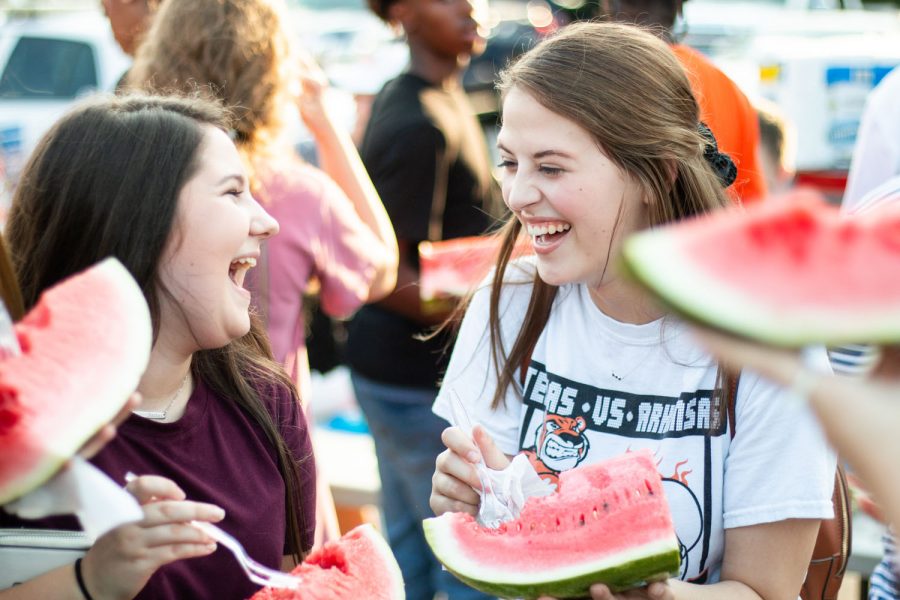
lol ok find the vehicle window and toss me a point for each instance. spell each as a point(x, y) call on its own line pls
point(48, 68)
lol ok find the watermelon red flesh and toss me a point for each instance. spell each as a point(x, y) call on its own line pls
point(788, 272)
point(609, 523)
point(454, 267)
point(84, 348)
point(358, 565)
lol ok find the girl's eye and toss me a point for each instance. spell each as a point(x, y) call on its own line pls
point(550, 170)
point(236, 193)
point(507, 164)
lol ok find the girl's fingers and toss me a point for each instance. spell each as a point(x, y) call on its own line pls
point(152, 488)
point(451, 464)
point(173, 534)
point(454, 489)
point(461, 444)
point(600, 592)
point(169, 511)
point(162, 555)
point(98, 441)
point(493, 456)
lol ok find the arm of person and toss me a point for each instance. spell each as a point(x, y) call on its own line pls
point(339, 158)
point(866, 436)
point(121, 562)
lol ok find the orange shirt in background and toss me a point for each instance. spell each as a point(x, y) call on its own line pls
point(731, 117)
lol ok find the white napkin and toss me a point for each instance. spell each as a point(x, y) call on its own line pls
point(511, 487)
point(83, 489)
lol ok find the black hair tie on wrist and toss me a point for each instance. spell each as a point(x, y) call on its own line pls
point(79, 578)
point(721, 163)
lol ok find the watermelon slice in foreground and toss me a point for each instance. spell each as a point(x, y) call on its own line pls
point(608, 523)
point(789, 272)
point(358, 565)
point(84, 346)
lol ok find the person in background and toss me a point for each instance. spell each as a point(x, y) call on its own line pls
point(876, 155)
point(777, 147)
point(335, 234)
point(158, 184)
point(723, 106)
point(129, 20)
point(426, 154)
point(562, 358)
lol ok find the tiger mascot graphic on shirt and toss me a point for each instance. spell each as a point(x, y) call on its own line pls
point(559, 445)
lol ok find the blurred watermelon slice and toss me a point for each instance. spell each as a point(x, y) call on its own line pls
point(790, 271)
point(452, 268)
point(84, 347)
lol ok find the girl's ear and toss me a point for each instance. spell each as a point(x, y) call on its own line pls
point(400, 16)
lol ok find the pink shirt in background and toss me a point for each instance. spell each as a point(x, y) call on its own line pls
point(321, 238)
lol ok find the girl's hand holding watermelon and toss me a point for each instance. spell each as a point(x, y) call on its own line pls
point(659, 590)
point(121, 562)
point(455, 479)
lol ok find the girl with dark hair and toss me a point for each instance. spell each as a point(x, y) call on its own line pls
point(219, 437)
point(561, 358)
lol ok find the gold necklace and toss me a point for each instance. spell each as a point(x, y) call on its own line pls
point(160, 415)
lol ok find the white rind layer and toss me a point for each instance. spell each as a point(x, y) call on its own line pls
point(439, 532)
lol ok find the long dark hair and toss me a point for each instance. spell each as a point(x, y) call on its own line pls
point(624, 87)
point(105, 181)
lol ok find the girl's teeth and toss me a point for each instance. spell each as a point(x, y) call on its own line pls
point(538, 230)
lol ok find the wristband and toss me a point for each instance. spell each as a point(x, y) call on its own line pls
point(80, 580)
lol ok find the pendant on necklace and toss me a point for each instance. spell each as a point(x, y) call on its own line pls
point(157, 415)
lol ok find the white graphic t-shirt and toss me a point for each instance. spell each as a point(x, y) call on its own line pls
point(596, 388)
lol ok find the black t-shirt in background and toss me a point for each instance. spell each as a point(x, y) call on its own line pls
point(415, 125)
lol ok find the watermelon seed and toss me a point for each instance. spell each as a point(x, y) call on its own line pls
point(606, 506)
point(581, 522)
point(557, 523)
point(649, 487)
point(596, 514)
point(518, 527)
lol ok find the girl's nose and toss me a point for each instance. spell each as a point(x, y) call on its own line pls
point(519, 193)
point(262, 224)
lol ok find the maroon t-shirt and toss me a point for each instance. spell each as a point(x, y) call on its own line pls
point(216, 454)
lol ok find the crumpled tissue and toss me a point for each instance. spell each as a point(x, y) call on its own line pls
point(504, 492)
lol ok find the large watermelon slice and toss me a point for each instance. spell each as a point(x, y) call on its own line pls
point(358, 565)
point(84, 348)
point(789, 272)
point(609, 523)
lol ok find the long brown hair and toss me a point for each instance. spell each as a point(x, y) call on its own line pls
point(105, 181)
point(625, 87)
point(235, 51)
point(9, 286)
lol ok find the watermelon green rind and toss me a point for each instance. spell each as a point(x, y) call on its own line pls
point(631, 568)
point(655, 260)
point(36, 447)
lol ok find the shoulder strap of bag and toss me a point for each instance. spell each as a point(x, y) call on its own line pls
point(832, 551)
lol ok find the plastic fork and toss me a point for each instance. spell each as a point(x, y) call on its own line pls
point(491, 504)
point(256, 572)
